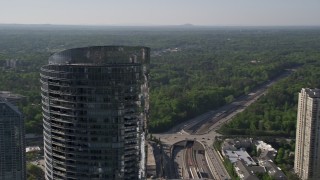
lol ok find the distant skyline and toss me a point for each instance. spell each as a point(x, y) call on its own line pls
point(162, 12)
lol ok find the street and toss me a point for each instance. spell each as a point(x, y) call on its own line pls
point(203, 129)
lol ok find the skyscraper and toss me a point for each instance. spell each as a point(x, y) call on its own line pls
point(95, 108)
point(307, 152)
point(12, 143)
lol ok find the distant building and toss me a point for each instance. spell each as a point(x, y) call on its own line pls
point(11, 63)
point(307, 151)
point(12, 143)
point(95, 108)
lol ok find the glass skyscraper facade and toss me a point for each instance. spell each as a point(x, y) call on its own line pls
point(12, 143)
point(95, 104)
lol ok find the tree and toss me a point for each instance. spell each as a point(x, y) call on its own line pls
point(34, 172)
point(280, 155)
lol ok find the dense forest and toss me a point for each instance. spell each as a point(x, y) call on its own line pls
point(276, 112)
point(193, 69)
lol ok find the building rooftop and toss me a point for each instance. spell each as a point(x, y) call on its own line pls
point(101, 55)
point(264, 146)
point(241, 154)
point(12, 98)
point(273, 170)
point(234, 144)
point(244, 172)
point(314, 93)
point(257, 169)
point(245, 164)
point(8, 94)
point(32, 148)
point(7, 109)
point(267, 155)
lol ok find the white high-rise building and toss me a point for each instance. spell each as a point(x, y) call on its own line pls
point(307, 152)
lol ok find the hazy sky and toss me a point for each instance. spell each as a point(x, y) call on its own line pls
point(161, 12)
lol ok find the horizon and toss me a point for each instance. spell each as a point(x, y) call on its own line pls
point(187, 25)
point(162, 13)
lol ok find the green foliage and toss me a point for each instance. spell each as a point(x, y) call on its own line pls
point(252, 150)
point(34, 172)
point(275, 113)
point(292, 176)
point(230, 169)
point(285, 155)
point(211, 67)
point(264, 176)
point(215, 71)
point(217, 144)
point(33, 118)
point(280, 156)
point(31, 156)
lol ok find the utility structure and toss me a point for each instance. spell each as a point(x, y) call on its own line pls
point(95, 108)
point(12, 143)
point(307, 151)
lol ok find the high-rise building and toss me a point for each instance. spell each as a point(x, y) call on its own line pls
point(307, 152)
point(12, 143)
point(95, 108)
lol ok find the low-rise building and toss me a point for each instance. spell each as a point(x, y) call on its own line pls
point(273, 170)
point(32, 149)
point(245, 165)
point(240, 154)
point(243, 171)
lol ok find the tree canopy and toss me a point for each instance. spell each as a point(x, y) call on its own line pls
point(193, 70)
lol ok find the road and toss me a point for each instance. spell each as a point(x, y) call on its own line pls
point(211, 157)
point(203, 128)
point(225, 113)
point(190, 161)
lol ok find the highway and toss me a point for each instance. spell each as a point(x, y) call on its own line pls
point(213, 119)
point(212, 159)
point(202, 129)
point(225, 113)
point(190, 161)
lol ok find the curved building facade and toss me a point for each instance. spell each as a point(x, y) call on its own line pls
point(95, 107)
